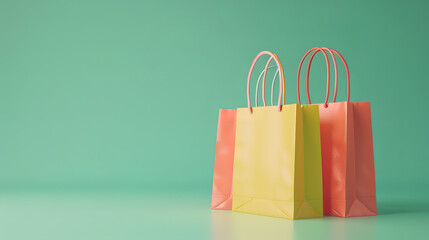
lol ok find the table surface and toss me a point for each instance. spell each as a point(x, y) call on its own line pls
point(77, 215)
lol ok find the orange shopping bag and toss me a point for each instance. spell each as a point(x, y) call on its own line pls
point(224, 156)
point(347, 151)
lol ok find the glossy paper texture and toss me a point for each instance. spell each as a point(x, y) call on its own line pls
point(275, 174)
point(347, 159)
point(224, 159)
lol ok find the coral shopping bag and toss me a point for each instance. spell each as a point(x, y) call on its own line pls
point(277, 160)
point(347, 152)
point(224, 157)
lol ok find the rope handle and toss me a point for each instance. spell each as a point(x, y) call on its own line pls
point(327, 71)
point(272, 86)
point(336, 74)
point(281, 75)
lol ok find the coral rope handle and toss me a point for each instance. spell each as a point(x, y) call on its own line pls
point(279, 66)
point(336, 74)
point(308, 73)
point(328, 74)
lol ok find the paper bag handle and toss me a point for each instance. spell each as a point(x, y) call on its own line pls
point(327, 71)
point(336, 74)
point(279, 66)
point(272, 86)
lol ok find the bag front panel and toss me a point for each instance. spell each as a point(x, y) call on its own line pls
point(264, 161)
point(333, 131)
point(347, 159)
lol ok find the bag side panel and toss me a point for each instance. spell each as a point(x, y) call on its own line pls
point(224, 160)
point(362, 195)
point(312, 164)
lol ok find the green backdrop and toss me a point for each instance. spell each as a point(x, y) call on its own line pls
point(125, 94)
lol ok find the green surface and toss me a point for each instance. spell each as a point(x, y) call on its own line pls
point(122, 97)
point(88, 216)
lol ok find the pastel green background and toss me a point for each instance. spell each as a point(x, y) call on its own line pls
point(122, 97)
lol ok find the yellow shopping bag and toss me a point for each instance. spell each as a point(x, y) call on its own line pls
point(277, 159)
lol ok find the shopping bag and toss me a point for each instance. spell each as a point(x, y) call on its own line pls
point(224, 156)
point(347, 152)
point(277, 159)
